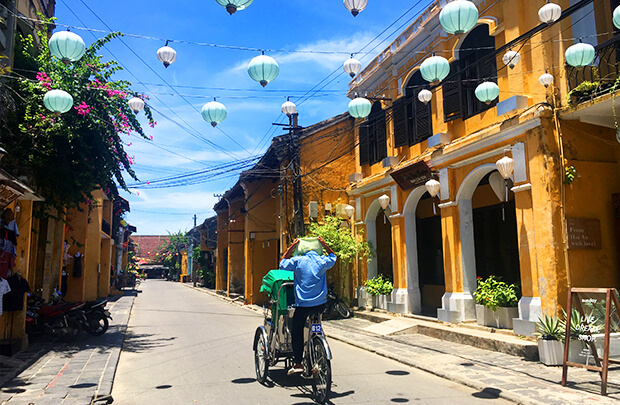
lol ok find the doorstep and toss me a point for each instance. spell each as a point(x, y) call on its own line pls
point(501, 341)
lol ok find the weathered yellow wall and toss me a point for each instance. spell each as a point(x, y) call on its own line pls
point(77, 222)
point(92, 251)
point(184, 263)
point(236, 248)
point(222, 245)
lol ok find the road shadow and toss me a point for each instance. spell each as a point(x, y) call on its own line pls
point(243, 380)
point(487, 393)
point(397, 372)
point(143, 342)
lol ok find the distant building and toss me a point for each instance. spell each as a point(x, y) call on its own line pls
point(148, 245)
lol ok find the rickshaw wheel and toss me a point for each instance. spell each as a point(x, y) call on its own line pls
point(261, 360)
point(321, 372)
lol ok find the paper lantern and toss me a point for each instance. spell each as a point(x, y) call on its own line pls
point(435, 68)
point(505, 166)
point(580, 54)
point(545, 79)
point(355, 6)
point(359, 107)
point(58, 101)
point(425, 96)
point(549, 13)
point(289, 108)
point(511, 59)
point(617, 17)
point(487, 92)
point(263, 69)
point(136, 104)
point(166, 55)
point(384, 201)
point(214, 112)
point(458, 17)
point(352, 66)
point(233, 5)
point(67, 46)
point(433, 186)
point(349, 210)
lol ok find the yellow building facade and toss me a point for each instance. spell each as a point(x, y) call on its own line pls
point(479, 225)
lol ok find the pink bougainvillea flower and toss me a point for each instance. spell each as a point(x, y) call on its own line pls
point(83, 108)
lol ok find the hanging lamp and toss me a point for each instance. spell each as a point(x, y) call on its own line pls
point(136, 104)
point(435, 68)
point(511, 58)
point(352, 66)
point(458, 17)
point(289, 108)
point(545, 79)
point(425, 96)
point(384, 201)
point(549, 13)
point(433, 186)
point(349, 210)
point(355, 6)
point(505, 166)
point(263, 69)
point(359, 107)
point(214, 112)
point(67, 46)
point(58, 101)
point(487, 92)
point(233, 5)
point(616, 17)
point(580, 54)
point(166, 55)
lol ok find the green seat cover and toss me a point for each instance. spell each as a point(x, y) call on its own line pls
point(271, 284)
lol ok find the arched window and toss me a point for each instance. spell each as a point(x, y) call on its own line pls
point(413, 121)
point(475, 64)
point(372, 135)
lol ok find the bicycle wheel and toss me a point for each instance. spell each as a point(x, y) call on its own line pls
point(343, 310)
point(261, 363)
point(321, 372)
point(96, 323)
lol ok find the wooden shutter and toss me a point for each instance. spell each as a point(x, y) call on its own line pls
point(381, 131)
point(423, 121)
point(399, 116)
point(451, 86)
point(363, 145)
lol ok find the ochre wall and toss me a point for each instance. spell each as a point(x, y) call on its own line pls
point(236, 248)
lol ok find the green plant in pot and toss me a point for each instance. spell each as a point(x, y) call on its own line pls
point(496, 302)
point(550, 334)
point(379, 288)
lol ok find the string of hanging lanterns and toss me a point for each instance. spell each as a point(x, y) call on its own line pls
point(214, 112)
point(263, 69)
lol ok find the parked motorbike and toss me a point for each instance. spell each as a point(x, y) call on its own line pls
point(335, 307)
point(95, 320)
point(59, 320)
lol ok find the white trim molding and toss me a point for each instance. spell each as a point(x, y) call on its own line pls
point(521, 187)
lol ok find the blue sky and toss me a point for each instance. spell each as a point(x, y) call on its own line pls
point(202, 72)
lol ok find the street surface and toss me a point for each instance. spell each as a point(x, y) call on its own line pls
point(184, 346)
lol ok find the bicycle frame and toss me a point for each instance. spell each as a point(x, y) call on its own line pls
point(316, 319)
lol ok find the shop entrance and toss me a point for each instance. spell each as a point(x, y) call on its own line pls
point(430, 256)
point(384, 245)
point(495, 233)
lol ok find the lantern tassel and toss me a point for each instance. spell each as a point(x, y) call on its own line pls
point(434, 209)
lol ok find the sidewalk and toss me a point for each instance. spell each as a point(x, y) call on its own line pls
point(80, 373)
point(510, 377)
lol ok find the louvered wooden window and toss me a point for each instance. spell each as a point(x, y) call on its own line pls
point(475, 65)
point(419, 119)
point(399, 117)
point(373, 137)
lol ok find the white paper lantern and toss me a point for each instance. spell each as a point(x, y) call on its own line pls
point(425, 96)
point(136, 104)
point(355, 6)
point(384, 201)
point(545, 79)
point(433, 186)
point(166, 55)
point(511, 59)
point(549, 13)
point(349, 210)
point(288, 107)
point(352, 66)
point(505, 166)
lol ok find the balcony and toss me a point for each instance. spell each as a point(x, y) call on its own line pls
point(586, 83)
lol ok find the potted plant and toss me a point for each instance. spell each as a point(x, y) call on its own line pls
point(379, 288)
point(550, 334)
point(578, 351)
point(496, 302)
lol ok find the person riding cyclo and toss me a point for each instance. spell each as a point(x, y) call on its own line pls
point(304, 257)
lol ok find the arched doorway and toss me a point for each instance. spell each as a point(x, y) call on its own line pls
point(378, 223)
point(423, 240)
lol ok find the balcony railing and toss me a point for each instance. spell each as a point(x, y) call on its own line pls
point(591, 81)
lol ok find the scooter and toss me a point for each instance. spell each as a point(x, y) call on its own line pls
point(95, 320)
point(59, 320)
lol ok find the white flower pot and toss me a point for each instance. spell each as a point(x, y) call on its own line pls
point(380, 301)
point(500, 319)
point(578, 352)
point(551, 352)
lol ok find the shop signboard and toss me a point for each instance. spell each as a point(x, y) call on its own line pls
point(8, 195)
point(412, 176)
point(583, 233)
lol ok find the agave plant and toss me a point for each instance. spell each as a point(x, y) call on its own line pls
point(549, 328)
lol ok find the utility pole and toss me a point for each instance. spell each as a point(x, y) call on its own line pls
point(294, 148)
point(194, 220)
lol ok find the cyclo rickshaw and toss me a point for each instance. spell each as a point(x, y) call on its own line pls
point(272, 340)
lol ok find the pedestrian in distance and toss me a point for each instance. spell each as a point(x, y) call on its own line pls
point(310, 286)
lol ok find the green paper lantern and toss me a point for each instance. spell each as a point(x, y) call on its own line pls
point(67, 46)
point(617, 17)
point(359, 107)
point(233, 5)
point(58, 101)
point(458, 17)
point(263, 69)
point(487, 92)
point(580, 54)
point(214, 112)
point(435, 68)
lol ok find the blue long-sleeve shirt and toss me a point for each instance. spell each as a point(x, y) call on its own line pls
point(310, 280)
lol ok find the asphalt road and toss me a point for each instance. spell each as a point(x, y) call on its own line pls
point(187, 347)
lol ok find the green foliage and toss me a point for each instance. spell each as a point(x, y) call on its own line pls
point(170, 251)
point(340, 239)
point(584, 89)
point(569, 174)
point(70, 155)
point(494, 293)
point(549, 328)
point(379, 286)
point(575, 322)
point(204, 270)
